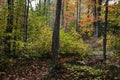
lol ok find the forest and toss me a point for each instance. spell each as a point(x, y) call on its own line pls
point(59, 39)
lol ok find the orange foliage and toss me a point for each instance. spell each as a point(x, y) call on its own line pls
point(62, 60)
point(0, 3)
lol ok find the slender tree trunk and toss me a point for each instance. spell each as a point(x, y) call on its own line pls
point(15, 33)
point(26, 20)
point(62, 13)
point(99, 14)
point(96, 28)
point(77, 16)
point(105, 32)
point(66, 20)
point(79, 10)
point(7, 46)
point(40, 5)
point(45, 7)
point(55, 37)
point(48, 13)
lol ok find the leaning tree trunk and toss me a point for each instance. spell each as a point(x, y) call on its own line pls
point(55, 37)
point(105, 32)
point(8, 37)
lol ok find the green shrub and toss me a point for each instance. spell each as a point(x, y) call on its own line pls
point(117, 45)
point(72, 44)
point(40, 42)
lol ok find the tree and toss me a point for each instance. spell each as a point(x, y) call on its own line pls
point(9, 27)
point(77, 16)
point(44, 7)
point(26, 19)
point(97, 14)
point(66, 15)
point(96, 20)
point(48, 13)
point(55, 37)
point(105, 32)
point(62, 12)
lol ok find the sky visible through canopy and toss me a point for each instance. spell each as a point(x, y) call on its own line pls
point(34, 3)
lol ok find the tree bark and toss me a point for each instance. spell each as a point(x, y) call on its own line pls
point(105, 32)
point(48, 13)
point(63, 13)
point(45, 7)
point(7, 45)
point(55, 37)
point(66, 20)
point(96, 28)
point(99, 14)
point(77, 16)
point(26, 20)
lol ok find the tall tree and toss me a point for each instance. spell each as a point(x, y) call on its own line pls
point(97, 10)
point(66, 19)
point(44, 7)
point(77, 16)
point(62, 12)
point(9, 27)
point(80, 2)
point(26, 11)
point(96, 20)
point(105, 32)
point(48, 13)
point(39, 5)
point(55, 37)
point(99, 14)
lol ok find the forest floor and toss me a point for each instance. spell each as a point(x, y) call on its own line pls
point(73, 68)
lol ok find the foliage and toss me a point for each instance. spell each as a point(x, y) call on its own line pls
point(72, 43)
point(40, 42)
point(84, 71)
point(117, 45)
point(114, 18)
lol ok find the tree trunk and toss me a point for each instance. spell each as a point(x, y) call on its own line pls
point(7, 46)
point(99, 14)
point(63, 13)
point(105, 32)
point(77, 16)
point(15, 33)
point(48, 13)
point(80, 10)
point(39, 5)
point(66, 20)
point(44, 7)
point(26, 20)
point(55, 37)
point(96, 28)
